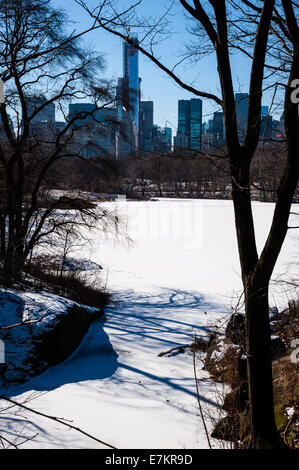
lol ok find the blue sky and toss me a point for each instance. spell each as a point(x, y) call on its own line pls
point(156, 85)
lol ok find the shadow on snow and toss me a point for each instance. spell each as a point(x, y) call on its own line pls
point(144, 319)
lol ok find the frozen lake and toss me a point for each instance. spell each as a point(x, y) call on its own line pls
point(179, 276)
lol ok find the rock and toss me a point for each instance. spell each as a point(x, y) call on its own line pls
point(230, 401)
point(213, 345)
point(49, 347)
point(59, 343)
point(278, 347)
point(235, 330)
point(221, 359)
point(236, 400)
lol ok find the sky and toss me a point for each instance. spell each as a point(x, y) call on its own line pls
point(156, 85)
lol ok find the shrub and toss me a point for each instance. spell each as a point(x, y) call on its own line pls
point(67, 284)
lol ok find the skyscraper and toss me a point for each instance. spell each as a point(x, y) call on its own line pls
point(146, 122)
point(167, 139)
point(128, 98)
point(146, 117)
point(195, 124)
point(189, 133)
point(45, 115)
point(79, 110)
point(266, 129)
point(242, 113)
point(162, 139)
point(95, 129)
point(218, 128)
point(184, 118)
point(264, 111)
point(42, 123)
point(126, 135)
point(131, 73)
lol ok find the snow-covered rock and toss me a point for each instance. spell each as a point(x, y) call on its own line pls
point(48, 330)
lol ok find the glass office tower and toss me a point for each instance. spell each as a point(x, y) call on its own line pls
point(184, 118)
point(242, 113)
point(218, 128)
point(264, 111)
point(131, 74)
point(195, 124)
point(146, 122)
point(189, 134)
point(146, 117)
point(94, 129)
point(43, 123)
point(128, 101)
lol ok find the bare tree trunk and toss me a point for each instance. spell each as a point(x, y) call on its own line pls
point(264, 434)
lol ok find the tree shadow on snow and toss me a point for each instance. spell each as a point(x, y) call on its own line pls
point(164, 317)
point(156, 322)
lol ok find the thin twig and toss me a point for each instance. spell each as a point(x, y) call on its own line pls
point(29, 322)
point(9, 442)
point(53, 418)
point(198, 399)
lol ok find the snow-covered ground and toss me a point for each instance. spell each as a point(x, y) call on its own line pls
point(179, 276)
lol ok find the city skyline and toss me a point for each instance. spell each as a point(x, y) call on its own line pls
point(101, 134)
point(131, 109)
point(156, 86)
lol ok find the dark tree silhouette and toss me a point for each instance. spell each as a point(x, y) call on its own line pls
point(42, 67)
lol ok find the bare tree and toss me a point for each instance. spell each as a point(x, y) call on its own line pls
point(217, 24)
point(43, 68)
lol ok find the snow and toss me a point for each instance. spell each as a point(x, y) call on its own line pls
point(290, 411)
point(180, 276)
point(221, 349)
point(42, 310)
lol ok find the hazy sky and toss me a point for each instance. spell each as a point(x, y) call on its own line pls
point(156, 85)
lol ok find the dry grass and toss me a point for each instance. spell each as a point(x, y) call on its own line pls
point(225, 369)
point(69, 285)
point(286, 376)
point(287, 324)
